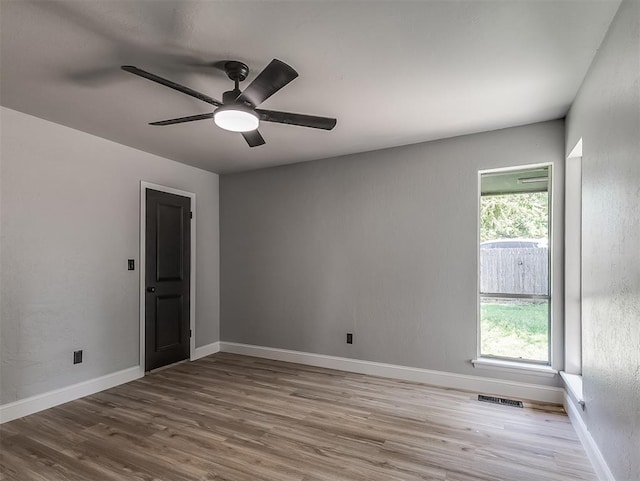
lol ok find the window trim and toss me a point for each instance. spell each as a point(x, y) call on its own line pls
point(497, 362)
point(514, 365)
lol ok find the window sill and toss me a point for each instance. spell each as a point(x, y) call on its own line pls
point(573, 383)
point(514, 366)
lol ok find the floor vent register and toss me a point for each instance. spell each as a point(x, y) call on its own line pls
point(500, 400)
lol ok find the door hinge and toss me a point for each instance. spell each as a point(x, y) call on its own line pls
point(190, 333)
point(190, 215)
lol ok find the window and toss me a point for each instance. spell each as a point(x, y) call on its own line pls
point(514, 263)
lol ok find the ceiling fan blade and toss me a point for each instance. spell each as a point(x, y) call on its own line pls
point(181, 120)
point(274, 76)
point(302, 120)
point(170, 84)
point(253, 138)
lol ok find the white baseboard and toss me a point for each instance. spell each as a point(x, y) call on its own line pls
point(532, 392)
point(206, 350)
point(591, 448)
point(40, 402)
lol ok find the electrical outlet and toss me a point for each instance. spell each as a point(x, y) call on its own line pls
point(349, 338)
point(77, 356)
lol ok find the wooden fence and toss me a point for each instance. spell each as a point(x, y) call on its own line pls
point(514, 271)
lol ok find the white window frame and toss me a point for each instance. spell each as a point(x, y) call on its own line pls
point(509, 364)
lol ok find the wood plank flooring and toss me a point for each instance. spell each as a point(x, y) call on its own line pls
point(236, 418)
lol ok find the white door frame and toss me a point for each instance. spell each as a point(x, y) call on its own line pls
point(192, 287)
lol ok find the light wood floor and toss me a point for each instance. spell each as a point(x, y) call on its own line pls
point(237, 418)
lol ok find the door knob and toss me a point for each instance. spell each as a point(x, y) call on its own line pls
point(151, 289)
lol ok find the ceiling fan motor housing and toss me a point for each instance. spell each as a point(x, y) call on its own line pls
point(236, 71)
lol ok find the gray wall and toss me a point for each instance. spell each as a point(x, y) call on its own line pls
point(70, 220)
point(606, 114)
point(382, 244)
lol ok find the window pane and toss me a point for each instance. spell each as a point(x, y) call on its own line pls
point(514, 232)
point(516, 329)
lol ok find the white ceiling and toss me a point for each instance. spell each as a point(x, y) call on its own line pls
point(392, 73)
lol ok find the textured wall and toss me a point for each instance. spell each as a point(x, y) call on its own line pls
point(70, 220)
point(606, 114)
point(382, 244)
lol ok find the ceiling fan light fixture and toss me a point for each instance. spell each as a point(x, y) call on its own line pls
point(236, 118)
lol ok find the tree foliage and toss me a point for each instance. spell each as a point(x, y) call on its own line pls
point(514, 215)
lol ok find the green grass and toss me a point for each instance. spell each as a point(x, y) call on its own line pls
point(515, 329)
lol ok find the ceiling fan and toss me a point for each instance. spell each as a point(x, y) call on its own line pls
point(237, 111)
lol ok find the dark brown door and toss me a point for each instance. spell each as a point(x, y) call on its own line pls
point(168, 263)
